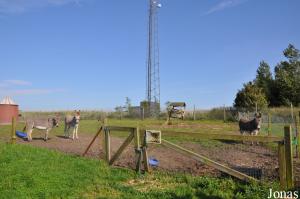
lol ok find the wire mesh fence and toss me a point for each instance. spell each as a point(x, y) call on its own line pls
point(258, 162)
point(273, 119)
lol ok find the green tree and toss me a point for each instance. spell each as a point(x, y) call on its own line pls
point(249, 95)
point(282, 90)
point(265, 80)
point(291, 53)
point(287, 78)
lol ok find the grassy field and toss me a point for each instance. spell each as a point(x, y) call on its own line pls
point(91, 126)
point(28, 172)
point(202, 126)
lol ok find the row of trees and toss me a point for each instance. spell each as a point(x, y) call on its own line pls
point(280, 89)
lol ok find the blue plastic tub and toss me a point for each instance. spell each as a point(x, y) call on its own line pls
point(21, 134)
point(153, 162)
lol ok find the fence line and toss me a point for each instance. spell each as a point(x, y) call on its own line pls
point(285, 149)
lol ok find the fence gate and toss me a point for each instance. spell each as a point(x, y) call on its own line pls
point(283, 145)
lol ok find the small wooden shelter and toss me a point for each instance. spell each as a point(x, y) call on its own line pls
point(176, 110)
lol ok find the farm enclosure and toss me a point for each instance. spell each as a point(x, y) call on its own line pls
point(258, 161)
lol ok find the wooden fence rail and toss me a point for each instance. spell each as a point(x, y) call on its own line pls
point(285, 157)
point(220, 136)
point(13, 130)
point(209, 162)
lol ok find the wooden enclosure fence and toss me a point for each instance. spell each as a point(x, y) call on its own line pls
point(140, 148)
point(285, 154)
point(295, 137)
point(137, 136)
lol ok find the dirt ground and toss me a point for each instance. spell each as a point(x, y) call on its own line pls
point(257, 161)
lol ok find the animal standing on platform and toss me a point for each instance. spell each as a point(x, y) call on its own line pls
point(40, 124)
point(250, 126)
point(72, 122)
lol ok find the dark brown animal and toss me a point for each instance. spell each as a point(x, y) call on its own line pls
point(250, 126)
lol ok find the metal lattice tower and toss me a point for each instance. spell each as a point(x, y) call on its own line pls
point(153, 79)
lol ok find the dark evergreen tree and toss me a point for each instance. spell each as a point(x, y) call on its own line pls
point(265, 80)
point(287, 78)
point(280, 90)
point(249, 96)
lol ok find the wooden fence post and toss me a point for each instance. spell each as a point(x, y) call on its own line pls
point(288, 156)
point(107, 144)
point(282, 165)
point(269, 123)
point(145, 153)
point(194, 113)
point(224, 113)
point(137, 148)
point(298, 130)
point(13, 130)
point(297, 136)
point(136, 134)
point(143, 113)
point(256, 107)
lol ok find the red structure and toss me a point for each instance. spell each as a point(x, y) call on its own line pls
point(8, 110)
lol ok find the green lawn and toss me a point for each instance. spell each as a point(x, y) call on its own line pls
point(28, 172)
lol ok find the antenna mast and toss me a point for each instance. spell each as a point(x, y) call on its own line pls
point(153, 79)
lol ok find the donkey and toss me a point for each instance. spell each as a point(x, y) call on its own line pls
point(250, 126)
point(72, 122)
point(40, 124)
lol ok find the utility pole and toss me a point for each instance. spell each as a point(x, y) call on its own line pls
point(224, 113)
point(194, 113)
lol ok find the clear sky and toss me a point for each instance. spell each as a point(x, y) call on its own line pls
point(91, 54)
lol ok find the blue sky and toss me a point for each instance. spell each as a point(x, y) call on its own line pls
point(91, 54)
